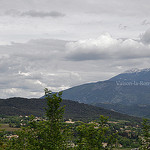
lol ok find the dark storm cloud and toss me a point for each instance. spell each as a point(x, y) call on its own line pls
point(33, 13)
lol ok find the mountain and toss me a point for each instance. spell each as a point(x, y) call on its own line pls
point(134, 75)
point(129, 88)
point(125, 88)
point(109, 92)
point(134, 110)
point(73, 110)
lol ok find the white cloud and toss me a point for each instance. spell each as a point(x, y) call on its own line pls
point(24, 73)
point(83, 20)
point(107, 47)
point(27, 66)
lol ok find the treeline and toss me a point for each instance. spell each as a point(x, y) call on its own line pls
point(52, 133)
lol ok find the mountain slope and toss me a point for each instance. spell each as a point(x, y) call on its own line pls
point(134, 110)
point(109, 92)
point(128, 90)
point(74, 110)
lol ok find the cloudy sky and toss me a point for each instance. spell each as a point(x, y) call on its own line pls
point(59, 44)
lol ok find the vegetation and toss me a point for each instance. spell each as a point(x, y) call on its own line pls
point(74, 110)
point(146, 135)
point(95, 136)
point(52, 132)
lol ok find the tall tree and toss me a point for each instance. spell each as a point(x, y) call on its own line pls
point(43, 135)
point(95, 136)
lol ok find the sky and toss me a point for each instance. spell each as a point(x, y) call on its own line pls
point(58, 44)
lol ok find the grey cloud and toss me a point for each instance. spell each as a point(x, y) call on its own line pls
point(41, 49)
point(78, 24)
point(57, 64)
point(145, 22)
point(33, 13)
point(53, 14)
point(84, 56)
point(105, 47)
point(32, 66)
point(122, 27)
point(145, 38)
point(27, 68)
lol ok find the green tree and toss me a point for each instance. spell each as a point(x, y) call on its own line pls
point(146, 135)
point(94, 135)
point(43, 135)
point(54, 134)
point(2, 139)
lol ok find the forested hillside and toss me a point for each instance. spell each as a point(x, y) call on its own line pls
point(73, 110)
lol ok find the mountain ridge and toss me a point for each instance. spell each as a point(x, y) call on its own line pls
point(128, 88)
point(134, 75)
point(73, 110)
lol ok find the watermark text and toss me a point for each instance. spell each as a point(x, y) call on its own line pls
point(132, 83)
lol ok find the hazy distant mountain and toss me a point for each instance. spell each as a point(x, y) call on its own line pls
point(134, 109)
point(131, 87)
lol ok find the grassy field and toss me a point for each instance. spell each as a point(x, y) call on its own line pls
point(7, 128)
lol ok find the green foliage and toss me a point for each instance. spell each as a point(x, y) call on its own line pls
point(53, 133)
point(94, 135)
point(46, 134)
point(2, 139)
point(146, 135)
point(74, 110)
